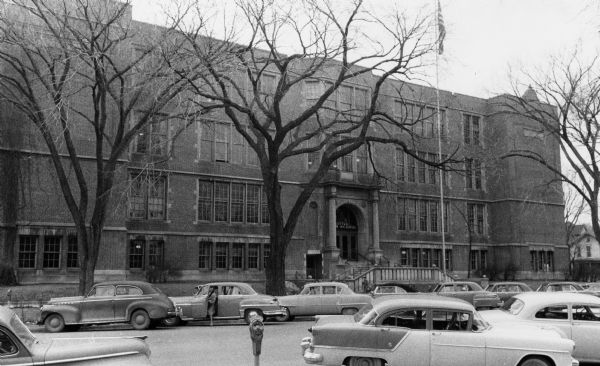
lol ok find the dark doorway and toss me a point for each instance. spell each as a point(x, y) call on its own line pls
point(314, 266)
point(347, 233)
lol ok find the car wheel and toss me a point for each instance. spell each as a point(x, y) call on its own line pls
point(140, 320)
point(535, 361)
point(285, 317)
point(349, 311)
point(364, 361)
point(250, 313)
point(171, 322)
point(54, 323)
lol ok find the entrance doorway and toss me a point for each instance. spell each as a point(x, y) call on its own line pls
point(346, 233)
point(314, 266)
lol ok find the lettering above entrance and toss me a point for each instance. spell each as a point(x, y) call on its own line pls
point(345, 219)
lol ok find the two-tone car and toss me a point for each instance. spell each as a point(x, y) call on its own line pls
point(423, 330)
point(235, 300)
point(506, 290)
point(576, 315)
point(136, 302)
point(470, 292)
point(323, 298)
point(18, 346)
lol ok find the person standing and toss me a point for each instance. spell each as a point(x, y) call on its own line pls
point(212, 300)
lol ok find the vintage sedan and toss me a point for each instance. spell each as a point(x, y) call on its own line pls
point(19, 347)
point(561, 286)
point(236, 300)
point(137, 302)
point(392, 288)
point(506, 290)
point(323, 298)
point(421, 330)
point(470, 292)
point(576, 315)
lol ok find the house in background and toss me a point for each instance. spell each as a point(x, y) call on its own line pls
point(585, 253)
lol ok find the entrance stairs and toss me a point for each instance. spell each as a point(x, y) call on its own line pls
point(360, 278)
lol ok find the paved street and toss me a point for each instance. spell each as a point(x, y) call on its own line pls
point(199, 344)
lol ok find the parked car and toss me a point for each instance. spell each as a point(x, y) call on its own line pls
point(137, 302)
point(18, 346)
point(506, 290)
point(427, 330)
point(322, 298)
point(562, 286)
point(470, 292)
point(576, 315)
point(236, 300)
point(392, 288)
point(592, 288)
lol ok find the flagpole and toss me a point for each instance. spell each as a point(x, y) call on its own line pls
point(439, 128)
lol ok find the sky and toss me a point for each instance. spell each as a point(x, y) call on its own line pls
point(488, 42)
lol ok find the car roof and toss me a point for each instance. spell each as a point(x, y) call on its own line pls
point(326, 284)
point(145, 286)
point(541, 298)
point(386, 303)
point(240, 284)
point(508, 283)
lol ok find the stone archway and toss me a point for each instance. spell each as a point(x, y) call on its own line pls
point(348, 233)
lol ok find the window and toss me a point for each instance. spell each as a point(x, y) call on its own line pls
point(586, 312)
point(222, 142)
point(7, 346)
point(72, 252)
point(433, 216)
point(362, 156)
point(222, 136)
point(476, 218)
point(471, 130)
point(401, 214)
point(205, 200)
point(204, 254)
point(422, 215)
point(410, 174)
point(103, 291)
point(136, 253)
point(400, 165)
point(541, 260)
point(449, 260)
point(559, 312)
point(128, 290)
point(433, 171)
point(27, 250)
point(237, 256)
point(51, 252)
point(253, 199)
point(253, 255)
point(221, 201)
point(152, 138)
point(155, 253)
point(147, 196)
point(237, 202)
point(409, 318)
point(264, 212)
point(450, 320)
point(350, 101)
point(231, 202)
point(221, 253)
point(404, 257)
point(588, 250)
point(266, 253)
point(421, 168)
point(411, 213)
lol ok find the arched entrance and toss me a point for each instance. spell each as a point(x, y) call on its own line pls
point(346, 233)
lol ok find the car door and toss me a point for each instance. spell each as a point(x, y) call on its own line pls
point(309, 301)
point(585, 331)
point(404, 335)
point(330, 300)
point(453, 342)
point(124, 296)
point(228, 304)
point(98, 306)
point(13, 352)
point(556, 315)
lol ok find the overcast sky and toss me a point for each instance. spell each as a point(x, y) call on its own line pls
point(487, 38)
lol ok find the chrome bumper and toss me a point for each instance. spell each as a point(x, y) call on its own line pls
point(307, 352)
point(178, 312)
point(574, 362)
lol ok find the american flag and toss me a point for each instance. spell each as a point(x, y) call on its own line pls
point(441, 28)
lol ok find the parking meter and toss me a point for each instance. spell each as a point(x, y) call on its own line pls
point(256, 333)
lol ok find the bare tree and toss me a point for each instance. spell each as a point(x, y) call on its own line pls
point(563, 104)
point(81, 70)
point(256, 79)
point(575, 208)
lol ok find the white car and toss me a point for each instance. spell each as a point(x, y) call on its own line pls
point(424, 330)
point(576, 315)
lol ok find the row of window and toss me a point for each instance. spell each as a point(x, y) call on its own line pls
point(431, 258)
point(51, 254)
point(542, 261)
point(223, 255)
point(421, 215)
point(420, 119)
point(411, 169)
point(478, 260)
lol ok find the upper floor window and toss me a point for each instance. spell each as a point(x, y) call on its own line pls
point(348, 101)
point(471, 129)
point(413, 170)
point(473, 174)
point(420, 119)
point(231, 202)
point(147, 196)
point(420, 215)
point(476, 218)
point(222, 142)
point(153, 137)
point(356, 161)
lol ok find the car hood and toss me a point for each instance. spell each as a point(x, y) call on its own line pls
point(65, 300)
point(94, 348)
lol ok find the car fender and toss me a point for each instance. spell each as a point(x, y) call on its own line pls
point(155, 309)
point(71, 313)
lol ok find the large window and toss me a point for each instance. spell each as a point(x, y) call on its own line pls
point(153, 137)
point(237, 256)
point(136, 253)
point(222, 142)
point(423, 257)
point(542, 260)
point(231, 202)
point(347, 102)
point(409, 169)
point(221, 254)
point(419, 215)
point(476, 218)
point(51, 252)
point(27, 251)
point(204, 254)
point(147, 196)
point(227, 255)
point(253, 255)
point(72, 252)
point(420, 120)
point(478, 260)
point(471, 129)
point(473, 174)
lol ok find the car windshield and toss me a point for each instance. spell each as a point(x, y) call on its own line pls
point(365, 315)
point(22, 331)
point(479, 324)
point(513, 306)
